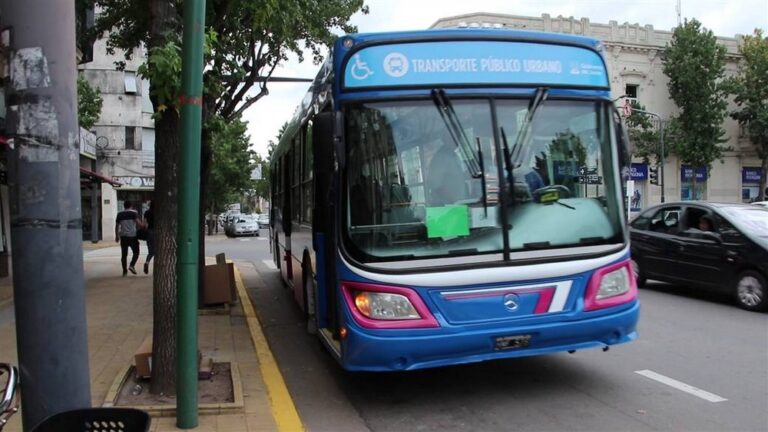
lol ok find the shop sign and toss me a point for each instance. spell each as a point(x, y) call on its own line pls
point(751, 175)
point(136, 182)
point(686, 173)
point(638, 171)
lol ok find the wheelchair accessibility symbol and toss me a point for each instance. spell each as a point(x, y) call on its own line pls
point(360, 69)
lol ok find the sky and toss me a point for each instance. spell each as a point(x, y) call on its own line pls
point(723, 17)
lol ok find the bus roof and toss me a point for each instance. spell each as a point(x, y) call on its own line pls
point(475, 34)
point(332, 68)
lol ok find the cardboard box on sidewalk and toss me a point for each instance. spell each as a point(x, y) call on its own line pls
point(219, 283)
point(143, 359)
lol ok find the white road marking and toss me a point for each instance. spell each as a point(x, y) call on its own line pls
point(270, 264)
point(711, 397)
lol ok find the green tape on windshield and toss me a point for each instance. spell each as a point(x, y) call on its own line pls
point(447, 221)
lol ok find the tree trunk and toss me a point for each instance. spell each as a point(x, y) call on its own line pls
point(164, 20)
point(167, 130)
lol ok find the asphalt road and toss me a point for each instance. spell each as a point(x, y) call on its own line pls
point(700, 364)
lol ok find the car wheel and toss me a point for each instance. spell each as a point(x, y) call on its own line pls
point(638, 275)
point(751, 291)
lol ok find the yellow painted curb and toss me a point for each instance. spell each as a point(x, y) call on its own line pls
point(281, 404)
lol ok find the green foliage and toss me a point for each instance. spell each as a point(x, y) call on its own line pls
point(232, 161)
point(89, 103)
point(750, 88)
point(163, 70)
point(643, 134)
point(695, 65)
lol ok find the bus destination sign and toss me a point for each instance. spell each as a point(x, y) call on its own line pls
point(474, 62)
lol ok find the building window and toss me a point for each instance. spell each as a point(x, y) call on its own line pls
point(130, 83)
point(130, 139)
point(630, 90)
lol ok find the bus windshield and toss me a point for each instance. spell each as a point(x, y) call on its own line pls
point(416, 188)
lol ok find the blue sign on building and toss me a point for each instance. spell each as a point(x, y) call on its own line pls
point(751, 175)
point(638, 171)
point(686, 173)
point(474, 62)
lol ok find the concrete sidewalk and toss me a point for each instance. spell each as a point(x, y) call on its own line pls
point(119, 317)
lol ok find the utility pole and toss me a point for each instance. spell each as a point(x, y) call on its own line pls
point(661, 148)
point(46, 224)
point(189, 216)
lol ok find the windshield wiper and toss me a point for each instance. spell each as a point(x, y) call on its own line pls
point(525, 129)
point(448, 114)
point(482, 176)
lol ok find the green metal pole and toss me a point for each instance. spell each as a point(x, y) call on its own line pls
point(191, 102)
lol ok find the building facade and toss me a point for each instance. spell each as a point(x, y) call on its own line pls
point(633, 55)
point(124, 134)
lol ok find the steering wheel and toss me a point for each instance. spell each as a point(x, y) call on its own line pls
point(562, 191)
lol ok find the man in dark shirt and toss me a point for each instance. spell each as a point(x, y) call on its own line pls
point(126, 225)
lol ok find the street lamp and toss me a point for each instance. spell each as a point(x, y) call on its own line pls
point(661, 145)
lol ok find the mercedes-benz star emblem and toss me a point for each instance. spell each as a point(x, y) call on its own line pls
point(511, 302)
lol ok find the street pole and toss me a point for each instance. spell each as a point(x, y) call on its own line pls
point(46, 220)
point(189, 212)
point(661, 147)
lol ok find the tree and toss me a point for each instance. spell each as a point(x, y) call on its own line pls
point(750, 88)
point(89, 103)
point(246, 40)
point(232, 162)
point(695, 65)
point(643, 135)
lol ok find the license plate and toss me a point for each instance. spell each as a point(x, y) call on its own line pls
point(512, 342)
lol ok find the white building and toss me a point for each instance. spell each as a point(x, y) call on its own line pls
point(125, 136)
point(633, 54)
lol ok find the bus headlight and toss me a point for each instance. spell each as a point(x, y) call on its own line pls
point(378, 306)
point(614, 283)
point(385, 306)
point(610, 286)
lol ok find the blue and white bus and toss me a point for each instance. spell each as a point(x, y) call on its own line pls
point(453, 196)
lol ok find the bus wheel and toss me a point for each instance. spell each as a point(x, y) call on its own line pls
point(751, 291)
point(641, 280)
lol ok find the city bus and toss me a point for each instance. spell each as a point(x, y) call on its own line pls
point(453, 196)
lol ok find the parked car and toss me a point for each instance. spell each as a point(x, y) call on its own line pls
point(245, 225)
point(761, 203)
point(263, 220)
point(721, 246)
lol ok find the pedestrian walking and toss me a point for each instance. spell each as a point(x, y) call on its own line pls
point(127, 224)
point(149, 221)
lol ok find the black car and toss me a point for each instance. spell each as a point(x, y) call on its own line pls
point(723, 246)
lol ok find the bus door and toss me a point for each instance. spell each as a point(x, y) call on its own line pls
point(323, 226)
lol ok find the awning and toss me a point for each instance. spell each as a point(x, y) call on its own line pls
point(96, 177)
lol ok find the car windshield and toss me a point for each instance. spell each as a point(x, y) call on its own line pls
point(753, 220)
point(416, 188)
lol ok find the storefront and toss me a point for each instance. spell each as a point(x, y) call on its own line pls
point(686, 183)
point(139, 190)
point(638, 173)
point(750, 183)
point(90, 202)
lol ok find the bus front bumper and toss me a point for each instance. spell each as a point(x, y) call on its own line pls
point(364, 351)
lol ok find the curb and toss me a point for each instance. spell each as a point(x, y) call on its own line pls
point(280, 402)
